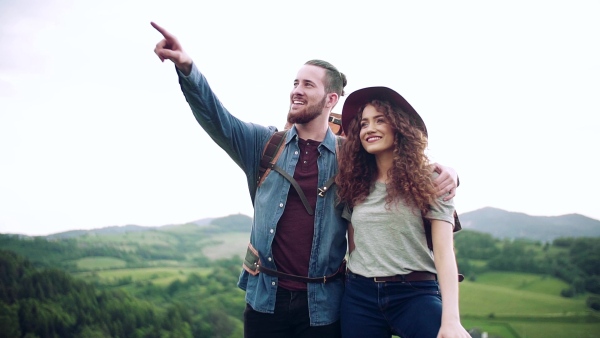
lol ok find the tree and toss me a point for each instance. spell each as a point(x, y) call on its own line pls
point(9, 321)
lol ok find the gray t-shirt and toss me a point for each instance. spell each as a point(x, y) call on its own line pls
point(392, 241)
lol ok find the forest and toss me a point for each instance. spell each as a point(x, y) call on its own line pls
point(49, 302)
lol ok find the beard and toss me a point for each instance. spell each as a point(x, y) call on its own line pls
point(311, 112)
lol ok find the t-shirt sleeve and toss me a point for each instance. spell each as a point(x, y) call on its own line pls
point(442, 210)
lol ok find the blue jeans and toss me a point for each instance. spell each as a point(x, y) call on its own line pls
point(406, 309)
point(290, 320)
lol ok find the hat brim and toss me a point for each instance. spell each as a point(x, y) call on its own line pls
point(360, 97)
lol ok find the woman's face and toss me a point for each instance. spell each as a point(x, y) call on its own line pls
point(376, 134)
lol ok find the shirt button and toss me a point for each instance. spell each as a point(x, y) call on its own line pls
point(271, 231)
point(272, 283)
point(296, 152)
point(304, 162)
point(281, 205)
point(269, 259)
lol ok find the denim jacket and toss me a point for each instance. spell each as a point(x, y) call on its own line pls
point(244, 143)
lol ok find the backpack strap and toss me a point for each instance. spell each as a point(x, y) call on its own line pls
point(335, 123)
point(268, 161)
point(338, 144)
point(270, 155)
point(296, 186)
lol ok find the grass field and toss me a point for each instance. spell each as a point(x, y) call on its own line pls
point(524, 305)
point(478, 263)
point(477, 298)
point(227, 245)
point(100, 263)
point(124, 240)
point(533, 329)
point(524, 281)
point(556, 330)
point(157, 275)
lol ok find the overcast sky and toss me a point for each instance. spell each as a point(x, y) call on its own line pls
point(94, 130)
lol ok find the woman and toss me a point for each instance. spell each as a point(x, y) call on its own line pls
point(393, 284)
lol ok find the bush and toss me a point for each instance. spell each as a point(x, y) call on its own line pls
point(567, 293)
point(592, 284)
point(593, 302)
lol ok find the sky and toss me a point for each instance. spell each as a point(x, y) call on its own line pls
point(94, 130)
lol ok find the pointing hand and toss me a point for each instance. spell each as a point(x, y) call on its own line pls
point(169, 48)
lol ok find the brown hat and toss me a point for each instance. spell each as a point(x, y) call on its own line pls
point(360, 97)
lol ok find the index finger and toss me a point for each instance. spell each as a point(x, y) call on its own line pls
point(162, 31)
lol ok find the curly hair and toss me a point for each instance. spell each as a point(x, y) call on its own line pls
point(410, 174)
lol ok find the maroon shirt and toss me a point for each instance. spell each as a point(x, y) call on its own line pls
point(293, 240)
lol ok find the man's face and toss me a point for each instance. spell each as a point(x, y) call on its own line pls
point(308, 98)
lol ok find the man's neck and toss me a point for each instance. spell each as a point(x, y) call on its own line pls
point(314, 130)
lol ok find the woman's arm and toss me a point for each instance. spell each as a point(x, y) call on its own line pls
point(445, 264)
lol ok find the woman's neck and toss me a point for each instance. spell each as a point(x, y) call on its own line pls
point(384, 163)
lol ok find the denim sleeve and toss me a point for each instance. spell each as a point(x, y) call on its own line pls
point(242, 141)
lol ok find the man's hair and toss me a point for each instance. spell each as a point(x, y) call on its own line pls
point(335, 81)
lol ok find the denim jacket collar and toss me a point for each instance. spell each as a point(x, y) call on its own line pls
point(329, 141)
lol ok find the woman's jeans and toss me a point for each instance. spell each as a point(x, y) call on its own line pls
point(380, 309)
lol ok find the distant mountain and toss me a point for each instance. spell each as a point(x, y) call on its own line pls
point(203, 221)
point(231, 223)
point(101, 231)
point(505, 224)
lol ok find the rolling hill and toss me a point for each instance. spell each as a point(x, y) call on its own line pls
point(505, 224)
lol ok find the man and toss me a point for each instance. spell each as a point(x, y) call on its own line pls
point(293, 272)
